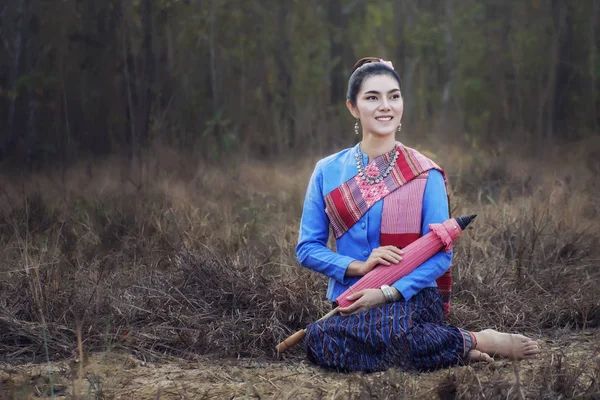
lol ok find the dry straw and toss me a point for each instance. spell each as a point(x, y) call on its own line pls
point(184, 259)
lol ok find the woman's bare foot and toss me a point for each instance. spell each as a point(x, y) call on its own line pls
point(516, 347)
point(476, 355)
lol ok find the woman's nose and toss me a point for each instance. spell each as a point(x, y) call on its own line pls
point(384, 105)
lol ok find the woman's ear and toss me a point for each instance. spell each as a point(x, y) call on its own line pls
point(352, 110)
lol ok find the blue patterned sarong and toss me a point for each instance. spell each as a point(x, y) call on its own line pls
point(406, 334)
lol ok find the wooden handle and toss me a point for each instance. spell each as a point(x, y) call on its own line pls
point(298, 336)
point(329, 314)
point(291, 341)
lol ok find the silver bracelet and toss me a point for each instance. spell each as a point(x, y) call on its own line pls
point(388, 293)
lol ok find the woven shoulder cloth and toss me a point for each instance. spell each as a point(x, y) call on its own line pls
point(402, 205)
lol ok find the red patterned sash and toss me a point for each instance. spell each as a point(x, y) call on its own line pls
point(402, 206)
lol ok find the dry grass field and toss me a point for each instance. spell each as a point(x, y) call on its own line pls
point(176, 278)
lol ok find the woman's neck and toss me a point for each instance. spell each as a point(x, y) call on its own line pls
point(375, 146)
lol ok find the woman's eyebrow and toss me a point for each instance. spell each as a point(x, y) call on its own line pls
point(376, 92)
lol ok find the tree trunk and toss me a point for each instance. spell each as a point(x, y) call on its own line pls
point(546, 105)
point(450, 65)
point(337, 49)
point(404, 11)
point(32, 140)
point(133, 143)
point(287, 136)
point(147, 95)
point(66, 151)
point(517, 108)
point(214, 86)
point(14, 76)
point(593, 51)
point(564, 74)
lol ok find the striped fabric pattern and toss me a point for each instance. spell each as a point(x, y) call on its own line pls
point(406, 334)
point(346, 204)
point(405, 205)
point(403, 226)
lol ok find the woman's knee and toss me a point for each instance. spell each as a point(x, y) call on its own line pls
point(311, 342)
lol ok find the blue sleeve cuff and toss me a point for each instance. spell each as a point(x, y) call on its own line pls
point(404, 290)
point(422, 276)
point(339, 273)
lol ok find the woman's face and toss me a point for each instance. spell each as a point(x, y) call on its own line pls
point(379, 105)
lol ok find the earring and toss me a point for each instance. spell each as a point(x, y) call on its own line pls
point(399, 126)
point(356, 127)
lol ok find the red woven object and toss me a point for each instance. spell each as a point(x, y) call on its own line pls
point(440, 238)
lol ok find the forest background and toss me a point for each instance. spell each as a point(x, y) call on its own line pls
point(154, 156)
point(83, 78)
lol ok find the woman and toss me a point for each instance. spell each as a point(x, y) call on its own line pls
point(401, 325)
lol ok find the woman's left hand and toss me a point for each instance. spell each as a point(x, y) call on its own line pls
point(365, 300)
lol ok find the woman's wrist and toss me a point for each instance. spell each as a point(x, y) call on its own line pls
point(355, 268)
point(388, 293)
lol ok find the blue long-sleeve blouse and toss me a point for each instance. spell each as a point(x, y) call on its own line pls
point(358, 242)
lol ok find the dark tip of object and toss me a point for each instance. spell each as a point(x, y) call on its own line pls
point(463, 222)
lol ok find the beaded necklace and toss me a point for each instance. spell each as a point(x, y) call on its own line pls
point(371, 180)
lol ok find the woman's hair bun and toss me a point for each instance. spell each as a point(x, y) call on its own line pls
point(363, 61)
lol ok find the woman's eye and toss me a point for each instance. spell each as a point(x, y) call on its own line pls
point(371, 98)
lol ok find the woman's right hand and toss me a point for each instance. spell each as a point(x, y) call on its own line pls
point(385, 255)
